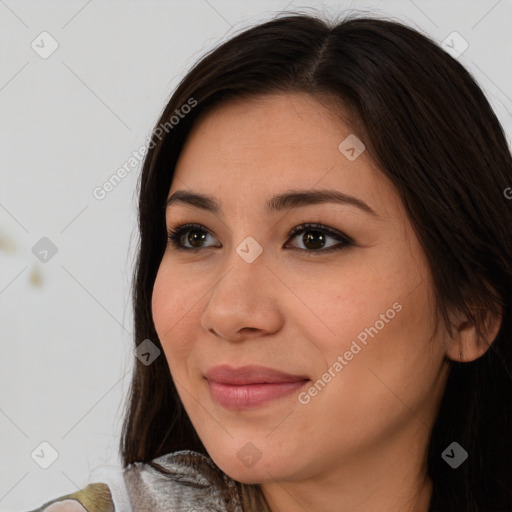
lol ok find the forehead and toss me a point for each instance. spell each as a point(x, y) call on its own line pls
point(299, 119)
point(262, 145)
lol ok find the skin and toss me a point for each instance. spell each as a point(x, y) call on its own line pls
point(360, 443)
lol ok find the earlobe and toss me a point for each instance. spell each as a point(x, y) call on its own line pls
point(466, 345)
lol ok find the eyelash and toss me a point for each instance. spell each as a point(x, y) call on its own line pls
point(176, 232)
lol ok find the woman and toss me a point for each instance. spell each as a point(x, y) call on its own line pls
point(323, 289)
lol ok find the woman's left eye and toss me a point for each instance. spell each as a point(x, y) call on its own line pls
point(314, 238)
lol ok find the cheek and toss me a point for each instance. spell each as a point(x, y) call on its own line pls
point(174, 303)
point(173, 297)
point(393, 358)
point(168, 308)
point(336, 307)
point(379, 319)
point(162, 302)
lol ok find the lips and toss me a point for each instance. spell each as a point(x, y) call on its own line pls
point(249, 387)
point(251, 374)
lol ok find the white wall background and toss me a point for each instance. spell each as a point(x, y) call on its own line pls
point(67, 123)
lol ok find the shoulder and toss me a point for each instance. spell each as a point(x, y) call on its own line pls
point(93, 498)
point(181, 478)
point(170, 482)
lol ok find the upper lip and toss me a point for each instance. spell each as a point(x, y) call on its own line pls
point(250, 374)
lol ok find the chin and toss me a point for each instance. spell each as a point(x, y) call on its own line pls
point(247, 471)
point(249, 475)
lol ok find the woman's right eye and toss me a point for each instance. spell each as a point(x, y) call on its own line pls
point(196, 234)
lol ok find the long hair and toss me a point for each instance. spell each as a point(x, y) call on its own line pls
point(430, 129)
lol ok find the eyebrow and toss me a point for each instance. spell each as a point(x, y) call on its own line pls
point(286, 201)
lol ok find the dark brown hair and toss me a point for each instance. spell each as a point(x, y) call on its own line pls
point(431, 131)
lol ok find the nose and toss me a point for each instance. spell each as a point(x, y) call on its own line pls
point(244, 302)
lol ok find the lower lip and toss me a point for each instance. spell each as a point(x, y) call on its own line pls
point(251, 395)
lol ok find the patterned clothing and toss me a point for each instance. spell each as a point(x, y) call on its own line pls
point(183, 481)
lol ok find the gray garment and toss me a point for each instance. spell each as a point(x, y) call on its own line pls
point(182, 481)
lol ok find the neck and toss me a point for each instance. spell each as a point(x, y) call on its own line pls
point(390, 477)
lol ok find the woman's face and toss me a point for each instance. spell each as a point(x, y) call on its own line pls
point(356, 320)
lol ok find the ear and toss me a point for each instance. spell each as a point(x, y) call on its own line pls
point(466, 345)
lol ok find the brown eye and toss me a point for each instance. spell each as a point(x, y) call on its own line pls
point(196, 237)
point(189, 237)
point(315, 237)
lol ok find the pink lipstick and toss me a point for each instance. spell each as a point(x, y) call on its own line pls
point(250, 386)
